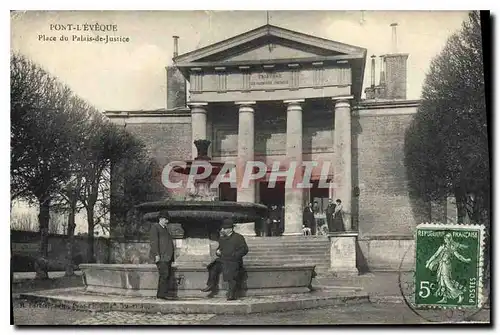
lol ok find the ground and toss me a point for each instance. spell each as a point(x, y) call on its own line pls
point(365, 313)
point(385, 308)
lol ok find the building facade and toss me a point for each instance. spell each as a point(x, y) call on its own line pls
point(275, 95)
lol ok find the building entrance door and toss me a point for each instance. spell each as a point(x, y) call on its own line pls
point(272, 196)
point(226, 192)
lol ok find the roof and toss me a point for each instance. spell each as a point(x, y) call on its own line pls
point(274, 45)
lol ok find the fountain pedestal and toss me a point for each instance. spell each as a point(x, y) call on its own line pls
point(142, 280)
point(245, 229)
point(194, 252)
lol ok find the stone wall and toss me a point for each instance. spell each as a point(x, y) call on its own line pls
point(385, 254)
point(135, 252)
point(396, 72)
point(166, 141)
point(384, 204)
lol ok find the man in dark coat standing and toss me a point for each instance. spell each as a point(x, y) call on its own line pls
point(330, 210)
point(275, 220)
point(162, 253)
point(232, 249)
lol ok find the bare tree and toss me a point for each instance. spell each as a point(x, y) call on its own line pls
point(106, 145)
point(23, 222)
point(43, 135)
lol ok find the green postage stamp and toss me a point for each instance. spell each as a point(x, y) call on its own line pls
point(449, 266)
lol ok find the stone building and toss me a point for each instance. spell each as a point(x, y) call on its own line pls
point(277, 95)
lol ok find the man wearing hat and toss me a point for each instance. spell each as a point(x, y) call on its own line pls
point(232, 249)
point(330, 210)
point(162, 252)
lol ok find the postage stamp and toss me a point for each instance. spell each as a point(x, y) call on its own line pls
point(449, 266)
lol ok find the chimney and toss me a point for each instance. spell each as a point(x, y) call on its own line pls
point(370, 90)
point(382, 70)
point(176, 83)
point(373, 71)
point(395, 70)
point(176, 45)
point(394, 45)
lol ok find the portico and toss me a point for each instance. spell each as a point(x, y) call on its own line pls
point(274, 71)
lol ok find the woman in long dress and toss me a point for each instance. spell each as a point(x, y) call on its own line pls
point(338, 216)
point(447, 287)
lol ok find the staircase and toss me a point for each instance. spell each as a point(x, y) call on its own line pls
point(290, 250)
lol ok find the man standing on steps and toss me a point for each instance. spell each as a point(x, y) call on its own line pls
point(232, 249)
point(162, 252)
point(308, 218)
point(330, 210)
point(275, 220)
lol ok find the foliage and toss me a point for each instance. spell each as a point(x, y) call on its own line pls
point(135, 180)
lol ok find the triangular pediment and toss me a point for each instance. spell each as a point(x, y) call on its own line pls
point(269, 42)
point(271, 51)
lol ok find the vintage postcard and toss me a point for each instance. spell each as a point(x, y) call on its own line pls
point(250, 167)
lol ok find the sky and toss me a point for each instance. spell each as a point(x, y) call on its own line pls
point(131, 75)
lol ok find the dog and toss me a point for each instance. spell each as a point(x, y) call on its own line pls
point(306, 231)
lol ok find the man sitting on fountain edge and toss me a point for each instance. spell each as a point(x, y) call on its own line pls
point(232, 249)
point(162, 252)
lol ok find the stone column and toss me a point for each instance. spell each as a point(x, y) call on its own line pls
point(246, 139)
point(210, 152)
point(294, 196)
point(343, 244)
point(342, 163)
point(198, 124)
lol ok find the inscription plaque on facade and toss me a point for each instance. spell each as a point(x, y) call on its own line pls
point(269, 80)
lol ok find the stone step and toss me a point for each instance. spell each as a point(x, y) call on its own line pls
point(312, 242)
point(321, 269)
point(297, 258)
point(290, 246)
point(286, 241)
point(286, 261)
point(325, 255)
point(291, 257)
point(76, 298)
point(290, 261)
point(289, 238)
point(290, 252)
point(294, 257)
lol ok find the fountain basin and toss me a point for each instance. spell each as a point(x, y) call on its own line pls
point(142, 280)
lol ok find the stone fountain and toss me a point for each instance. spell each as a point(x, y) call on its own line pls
point(200, 215)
